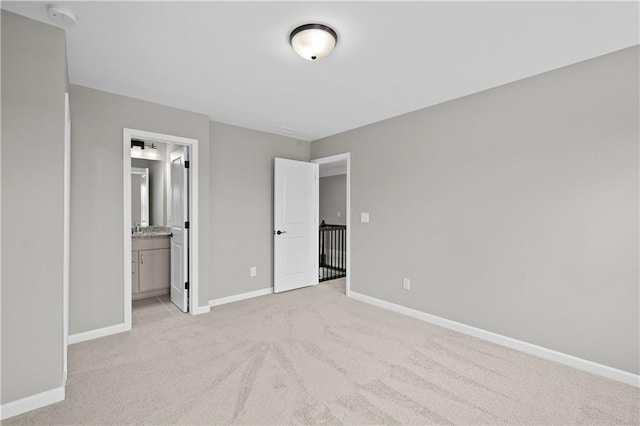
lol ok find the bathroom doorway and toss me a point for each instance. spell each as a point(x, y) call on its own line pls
point(160, 225)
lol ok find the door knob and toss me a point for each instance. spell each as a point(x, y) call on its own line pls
point(281, 232)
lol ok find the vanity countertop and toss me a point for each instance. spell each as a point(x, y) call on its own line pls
point(152, 232)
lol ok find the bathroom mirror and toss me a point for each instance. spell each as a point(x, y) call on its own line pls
point(148, 192)
point(139, 196)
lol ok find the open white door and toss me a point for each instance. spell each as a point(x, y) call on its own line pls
point(179, 229)
point(295, 235)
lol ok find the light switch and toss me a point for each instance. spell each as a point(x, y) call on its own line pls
point(406, 283)
point(364, 217)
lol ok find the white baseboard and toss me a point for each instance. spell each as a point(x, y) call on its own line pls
point(201, 310)
point(519, 345)
point(32, 402)
point(241, 296)
point(100, 332)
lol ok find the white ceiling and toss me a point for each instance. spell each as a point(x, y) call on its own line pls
point(232, 61)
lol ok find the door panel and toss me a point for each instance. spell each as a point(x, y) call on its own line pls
point(180, 234)
point(296, 217)
point(154, 269)
point(294, 250)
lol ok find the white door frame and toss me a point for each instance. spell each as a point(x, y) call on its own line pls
point(66, 245)
point(332, 159)
point(129, 134)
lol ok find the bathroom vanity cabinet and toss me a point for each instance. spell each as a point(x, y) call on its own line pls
point(150, 267)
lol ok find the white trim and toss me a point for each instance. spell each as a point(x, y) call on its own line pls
point(199, 310)
point(241, 296)
point(332, 159)
point(194, 231)
point(32, 402)
point(66, 232)
point(126, 189)
point(127, 135)
point(334, 170)
point(100, 332)
point(519, 345)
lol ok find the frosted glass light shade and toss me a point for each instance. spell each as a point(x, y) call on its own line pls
point(313, 41)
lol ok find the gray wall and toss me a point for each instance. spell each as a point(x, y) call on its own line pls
point(242, 205)
point(96, 289)
point(236, 201)
point(514, 210)
point(34, 81)
point(333, 199)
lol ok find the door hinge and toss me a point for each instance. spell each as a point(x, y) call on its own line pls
point(186, 225)
point(186, 285)
point(186, 164)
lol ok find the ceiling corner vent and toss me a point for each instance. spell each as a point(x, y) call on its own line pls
point(285, 130)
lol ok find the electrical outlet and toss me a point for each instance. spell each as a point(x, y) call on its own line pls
point(406, 284)
point(339, 214)
point(252, 271)
point(364, 217)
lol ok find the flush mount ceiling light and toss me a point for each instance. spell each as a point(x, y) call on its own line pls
point(313, 41)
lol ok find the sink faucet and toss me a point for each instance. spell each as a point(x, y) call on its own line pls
point(136, 227)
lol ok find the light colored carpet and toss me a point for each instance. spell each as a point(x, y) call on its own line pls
point(313, 356)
